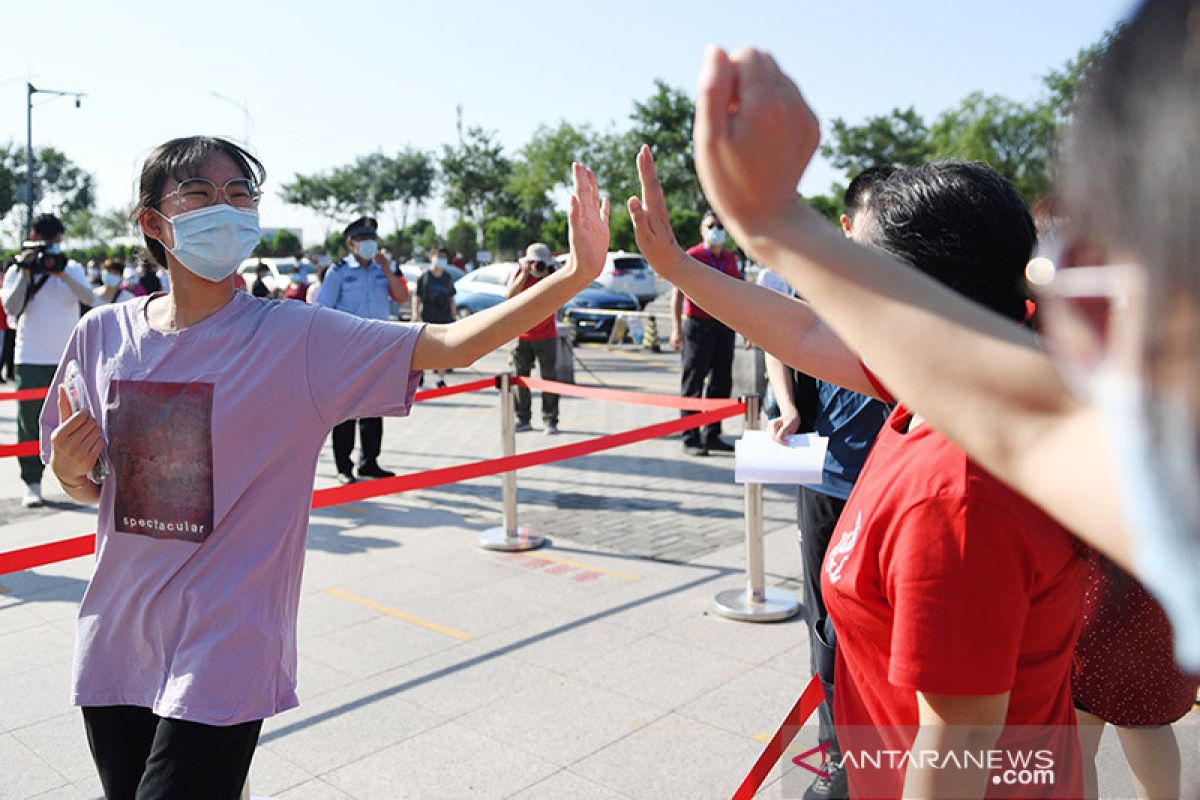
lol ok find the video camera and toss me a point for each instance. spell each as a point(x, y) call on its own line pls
point(37, 258)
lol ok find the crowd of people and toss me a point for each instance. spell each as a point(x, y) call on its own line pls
point(1000, 558)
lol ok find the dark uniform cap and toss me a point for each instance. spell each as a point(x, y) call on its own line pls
point(363, 226)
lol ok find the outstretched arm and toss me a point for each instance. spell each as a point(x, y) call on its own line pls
point(786, 328)
point(462, 343)
point(979, 379)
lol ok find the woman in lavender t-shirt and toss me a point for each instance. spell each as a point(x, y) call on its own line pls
point(186, 637)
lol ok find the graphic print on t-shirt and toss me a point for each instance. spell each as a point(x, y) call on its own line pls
point(837, 556)
point(163, 466)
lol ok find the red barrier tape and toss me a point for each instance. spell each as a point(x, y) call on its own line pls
point(21, 449)
point(41, 555)
point(810, 698)
point(621, 396)
point(460, 388)
point(24, 394)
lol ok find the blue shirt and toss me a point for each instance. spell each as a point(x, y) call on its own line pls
point(851, 421)
point(355, 289)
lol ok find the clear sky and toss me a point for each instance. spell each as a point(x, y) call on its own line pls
point(325, 82)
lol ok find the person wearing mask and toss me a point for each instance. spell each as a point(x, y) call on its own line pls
point(706, 343)
point(297, 287)
point(539, 343)
point(42, 293)
point(112, 284)
point(433, 299)
point(361, 284)
point(259, 288)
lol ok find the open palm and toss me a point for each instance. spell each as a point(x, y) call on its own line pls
point(588, 232)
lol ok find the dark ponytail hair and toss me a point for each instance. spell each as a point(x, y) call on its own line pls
point(182, 159)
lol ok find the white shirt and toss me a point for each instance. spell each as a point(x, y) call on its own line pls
point(772, 280)
point(48, 319)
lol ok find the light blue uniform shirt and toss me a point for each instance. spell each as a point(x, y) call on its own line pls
point(355, 289)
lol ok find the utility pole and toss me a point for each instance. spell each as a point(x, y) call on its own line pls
point(30, 91)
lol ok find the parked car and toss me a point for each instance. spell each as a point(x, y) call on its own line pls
point(483, 288)
point(590, 326)
point(628, 273)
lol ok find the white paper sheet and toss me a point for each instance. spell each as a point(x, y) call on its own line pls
point(760, 459)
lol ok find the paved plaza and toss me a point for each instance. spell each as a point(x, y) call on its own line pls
point(429, 668)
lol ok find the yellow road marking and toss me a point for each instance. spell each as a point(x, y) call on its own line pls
point(765, 738)
point(580, 565)
point(400, 615)
point(353, 509)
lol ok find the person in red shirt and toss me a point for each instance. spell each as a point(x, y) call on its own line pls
point(955, 601)
point(539, 342)
point(706, 343)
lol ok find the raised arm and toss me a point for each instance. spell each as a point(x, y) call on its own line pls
point(462, 343)
point(976, 377)
point(786, 328)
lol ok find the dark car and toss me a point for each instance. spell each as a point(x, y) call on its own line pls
point(592, 326)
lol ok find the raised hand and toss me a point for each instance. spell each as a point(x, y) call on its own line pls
point(75, 444)
point(588, 231)
point(754, 137)
point(651, 221)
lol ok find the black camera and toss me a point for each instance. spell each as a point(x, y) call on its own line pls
point(37, 258)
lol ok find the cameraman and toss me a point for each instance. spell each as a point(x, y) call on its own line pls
point(539, 342)
point(42, 294)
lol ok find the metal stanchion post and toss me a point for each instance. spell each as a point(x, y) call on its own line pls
point(755, 603)
point(509, 536)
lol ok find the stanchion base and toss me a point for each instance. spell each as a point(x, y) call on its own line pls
point(498, 539)
point(736, 604)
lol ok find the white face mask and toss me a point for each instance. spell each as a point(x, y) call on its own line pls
point(213, 241)
point(715, 237)
point(111, 279)
point(442, 262)
point(367, 248)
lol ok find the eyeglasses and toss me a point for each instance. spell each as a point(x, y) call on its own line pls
point(195, 193)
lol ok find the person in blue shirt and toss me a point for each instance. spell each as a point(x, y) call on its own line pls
point(361, 284)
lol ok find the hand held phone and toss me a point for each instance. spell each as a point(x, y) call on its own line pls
point(73, 383)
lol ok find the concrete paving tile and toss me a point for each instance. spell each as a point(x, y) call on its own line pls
point(271, 773)
point(61, 742)
point(567, 784)
point(90, 788)
point(562, 720)
point(34, 695)
point(313, 790)
point(559, 642)
point(754, 642)
point(463, 679)
point(673, 757)
point(322, 613)
point(35, 647)
point(478, 610)
point(340, 727)
point(658, 671)
point(753, 703)
point(17, 616)
point(794, 660)
point(314, 679)
point(24, 774)
point(447, 762)
point(68, 792)
point(375, 646)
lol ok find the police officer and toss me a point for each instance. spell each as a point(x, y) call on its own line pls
point(361, 284)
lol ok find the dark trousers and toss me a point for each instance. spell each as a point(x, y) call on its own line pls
point(371, 438)
point(31, 376)
point(141, 756)
point(707, 356)
point(545, 352)
point(817, 515)
point(8, 356)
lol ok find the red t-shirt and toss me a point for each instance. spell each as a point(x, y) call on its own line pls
point(941, 579)
point(547, 328)
point(726, 261)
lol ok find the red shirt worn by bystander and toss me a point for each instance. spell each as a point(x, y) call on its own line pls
point(725, 261)
point(547, 328)
point(942, 580)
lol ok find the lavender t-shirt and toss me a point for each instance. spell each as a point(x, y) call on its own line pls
point(191, 611)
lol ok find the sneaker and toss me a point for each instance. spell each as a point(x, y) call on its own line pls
point(33, 496)
point(441, 384)
point(523, 427)
point(375, 471)
point(835, 787)
point(693, 449)
point(552, 429)
point(346, 477)
point(718, 445)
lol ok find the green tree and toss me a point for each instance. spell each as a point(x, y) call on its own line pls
point(59, 184)
point(286, 243)
point(685, 222)
point(664, 121)
point(463, 238)
point(621, 225)
point(899, 137)
point(330, 195)
point(554, 232)
point(424, 237)
point(474, 174)
point(504, 236)
point(544, 164)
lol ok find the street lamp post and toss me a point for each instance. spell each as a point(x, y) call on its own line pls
point(30, 91)
point(247, 120)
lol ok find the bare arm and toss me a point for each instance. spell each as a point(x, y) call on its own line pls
point(786, 328)
point(518, 281)
point(979, 379)
point(780, 379)
point(954, 725)
point(461, 343)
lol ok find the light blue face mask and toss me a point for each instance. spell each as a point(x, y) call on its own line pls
point(715, 237)
point(111, 279)
point(212, 241)
point(367, 248)
point(1160, 487)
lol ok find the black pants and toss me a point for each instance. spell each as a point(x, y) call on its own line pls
point(31, 376)
point(8, 357)
point(371, 435)
point(546, 353)
point(817, 515)
point(141, 756)
point(707, 356)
